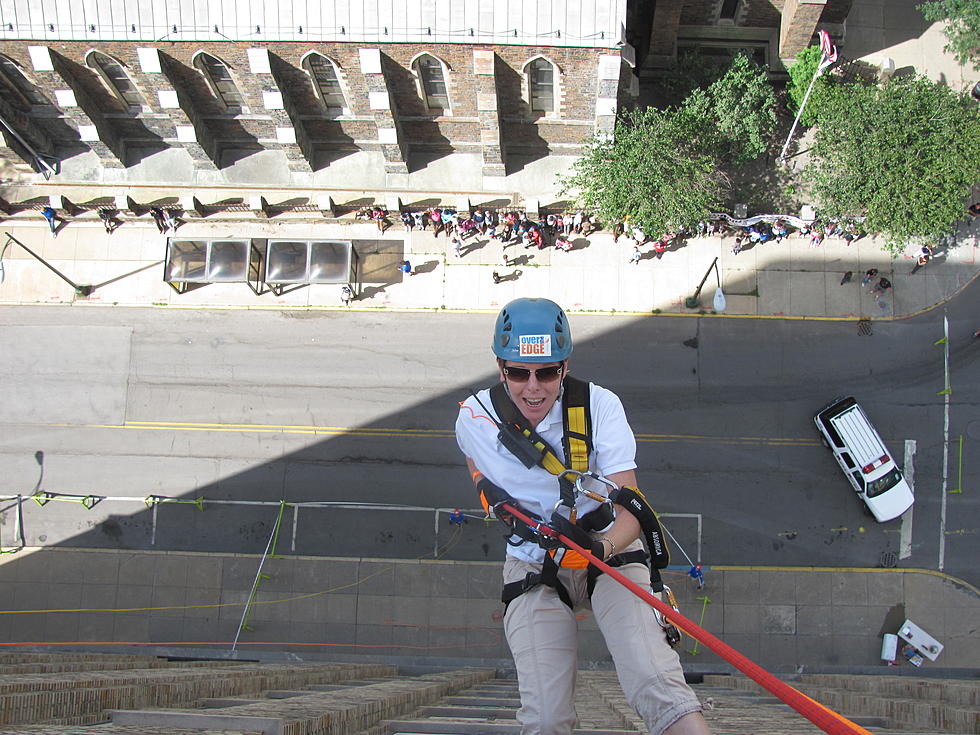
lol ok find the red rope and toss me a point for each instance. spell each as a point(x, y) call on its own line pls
point(823, 717)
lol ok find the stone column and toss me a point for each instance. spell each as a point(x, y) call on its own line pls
point(491, 144)
point(799, 23)
point(607, 91)
point(177, 129)
point(662, 53)
point(30, 140)
point(79, 110)
point(286, 128)
point(390, 137)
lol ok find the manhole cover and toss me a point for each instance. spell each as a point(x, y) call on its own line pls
point(888, 560)
point(864, 327)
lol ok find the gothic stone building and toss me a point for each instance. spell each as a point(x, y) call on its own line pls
point(316, 81)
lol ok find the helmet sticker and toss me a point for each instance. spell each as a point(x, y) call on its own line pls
point(535, 345)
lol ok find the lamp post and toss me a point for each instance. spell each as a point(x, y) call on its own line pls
point(719, 304)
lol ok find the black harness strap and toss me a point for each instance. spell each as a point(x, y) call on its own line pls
point(636, 503)
point(576, 438)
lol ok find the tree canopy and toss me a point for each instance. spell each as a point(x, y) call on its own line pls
point(666, 168)
point(903, 154)
point(963, 29)
point(653, 171)
point(742, 106)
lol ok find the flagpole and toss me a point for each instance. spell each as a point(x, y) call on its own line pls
point(799, 113)
point(828, 55)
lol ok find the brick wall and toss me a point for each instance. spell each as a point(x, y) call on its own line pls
point(217, 127)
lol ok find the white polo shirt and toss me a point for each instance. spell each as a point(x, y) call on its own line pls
point(614, 450)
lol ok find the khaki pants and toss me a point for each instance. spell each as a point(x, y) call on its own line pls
point(543, 637)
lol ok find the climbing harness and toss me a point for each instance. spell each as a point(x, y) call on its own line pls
point(532, 450)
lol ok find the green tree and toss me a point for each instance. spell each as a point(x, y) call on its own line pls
point(654, 170)
point(963, 30)
point(904, 155)
point(742, 107)
point(800, 76)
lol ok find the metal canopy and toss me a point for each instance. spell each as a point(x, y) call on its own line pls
point(192, 263)
point(308, 261)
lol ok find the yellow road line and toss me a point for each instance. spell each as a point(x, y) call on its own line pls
point(414, 433)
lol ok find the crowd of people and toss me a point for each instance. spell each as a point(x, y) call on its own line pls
point(505, 226)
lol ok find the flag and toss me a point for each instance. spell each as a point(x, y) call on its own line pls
point(828, 52)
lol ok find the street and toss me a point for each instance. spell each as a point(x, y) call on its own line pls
point(359, 408)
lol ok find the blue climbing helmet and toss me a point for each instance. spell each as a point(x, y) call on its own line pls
point(532, 330)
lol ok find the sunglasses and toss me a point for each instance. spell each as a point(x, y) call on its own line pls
point(544, 375)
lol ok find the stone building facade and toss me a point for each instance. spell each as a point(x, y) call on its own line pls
point(218, 97)
point(773, 31)
point(317, 82)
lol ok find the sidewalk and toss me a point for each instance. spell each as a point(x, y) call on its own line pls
point(788, 279)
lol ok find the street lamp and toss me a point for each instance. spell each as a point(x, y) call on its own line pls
point(719, 304)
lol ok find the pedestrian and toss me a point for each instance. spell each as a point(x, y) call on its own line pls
point(883, 285)
point(50, 215)
point(108, 221)
point(435, 216)
point(636, 255)
point(563, 243)
point(737, 247)
point(779, 230)
point(408, 220)
point(157, 214)
point(406, 268)
point(846, 278)
point(457, 246)
point(869, 276)
point(496, 277)
point(420, 219)
point(506, 261)
point(816, 238)
point(449, 218)
point(924, 256)
point(169, 221)
point(380, 218)
point(543, 591)
point(697, 574)
point(618, 230)
point(346, 295)
point(457, 517)
point(588, 225)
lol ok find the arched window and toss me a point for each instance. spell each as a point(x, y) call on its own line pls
point(326, 82)
point(16, 88)
point(219, 79)
point(431, 74)
point(541, 85)
point(115, 76)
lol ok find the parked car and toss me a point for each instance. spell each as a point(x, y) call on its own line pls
point(866, 462)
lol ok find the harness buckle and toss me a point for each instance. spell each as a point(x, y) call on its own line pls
point(531, 580)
